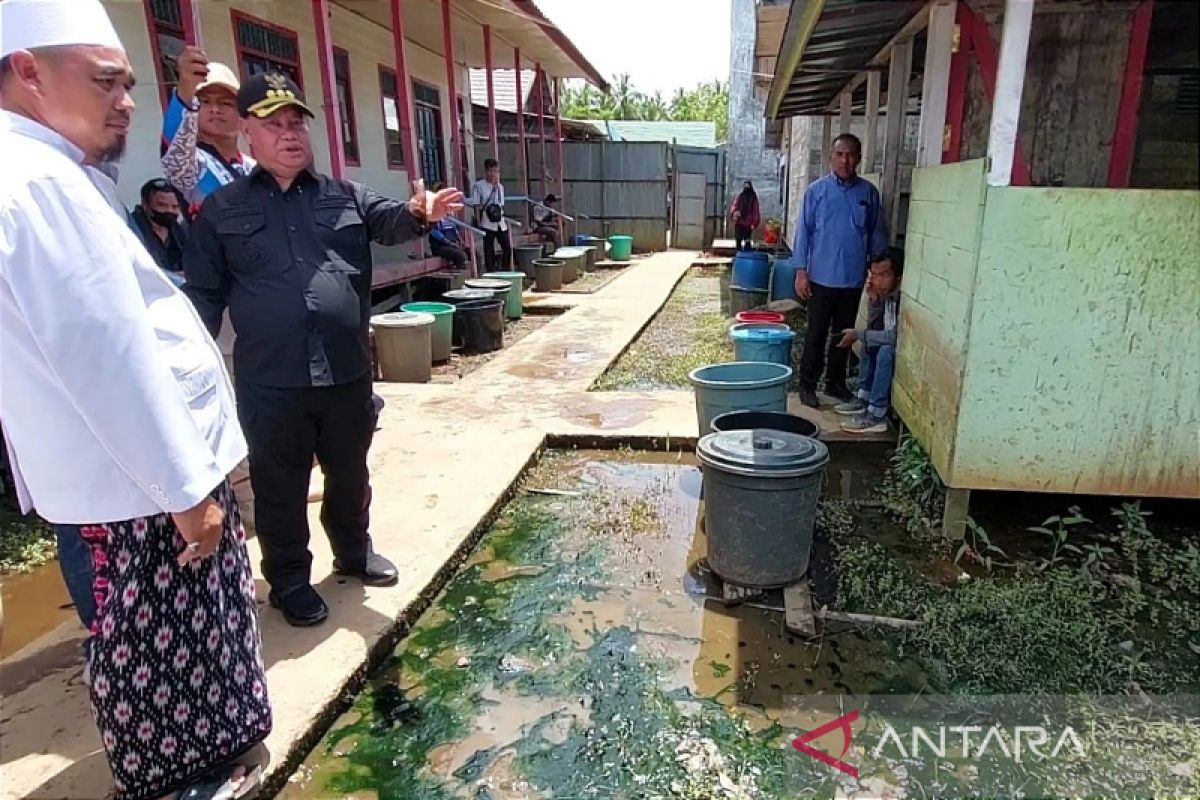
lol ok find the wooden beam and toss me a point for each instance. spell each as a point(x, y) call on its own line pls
point(883, 57)
point(491, 91)
point(985, 56)
point(893, 146)
point(844, 101)
point(1010, 82)
point(826, 141)
point(404, 108)
point(956, 100)
point(939, 46)
point(795, 36)
point(1120, 164)
point(330, 105)
point(521, 143)
point(869, 144)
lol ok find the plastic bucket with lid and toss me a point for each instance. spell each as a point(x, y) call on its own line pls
point(738, 386)
point(763, 343)
point(403, 341)
point(752, 270)
point(761, 489)
point(572, 258)
point(457, 297)
point(771, 420)
point(443, 326)
point(622, 247)
point(525, 255)
point(516, 288)
point(759, 316)
point(498, 286)
point(482, 324)
point(549, 274)
point(742, 299)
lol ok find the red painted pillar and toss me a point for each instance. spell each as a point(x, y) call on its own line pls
point(190, 12)
point(333, 113)
point(539, 83)
point(957, 91)
point(491, 92)
point(1120, 161)
point(558, 135)
point(408, 146)
point(521, 122)
point(452, 86)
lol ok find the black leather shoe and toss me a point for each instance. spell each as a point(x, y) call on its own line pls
point(377, 572)
point(302, 607)
point(839, 391)
point(809, 398)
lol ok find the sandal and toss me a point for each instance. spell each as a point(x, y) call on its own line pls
point(232, 781)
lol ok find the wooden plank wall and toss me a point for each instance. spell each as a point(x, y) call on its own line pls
point(1069, 105)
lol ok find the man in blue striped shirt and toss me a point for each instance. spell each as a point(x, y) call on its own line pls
point(838, 233)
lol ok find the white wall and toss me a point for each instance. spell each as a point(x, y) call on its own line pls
point(368, 45)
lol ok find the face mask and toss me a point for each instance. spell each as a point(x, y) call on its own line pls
point(163, 218)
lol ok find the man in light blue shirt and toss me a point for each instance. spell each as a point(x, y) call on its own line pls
point(838, 233)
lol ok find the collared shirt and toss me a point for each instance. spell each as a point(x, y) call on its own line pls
point(191, 166)
point(168, 254)
point(114, 399)
point(484, 194)
point(294, 269)
point(839, 229)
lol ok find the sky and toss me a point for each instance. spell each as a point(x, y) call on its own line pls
point(664, 45)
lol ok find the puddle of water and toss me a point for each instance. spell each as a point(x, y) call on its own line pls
point(576, 655)
point(34, 605)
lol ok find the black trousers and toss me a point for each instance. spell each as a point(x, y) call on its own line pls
point(454, 255)
point(489, 251)
point(285, 429)
point(829, 309)
point(743, 234)
point(549, 233)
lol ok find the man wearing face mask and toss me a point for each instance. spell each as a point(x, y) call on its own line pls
point(157, 221)
point(287, 250)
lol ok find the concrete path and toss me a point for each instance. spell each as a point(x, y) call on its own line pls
point(443, 461)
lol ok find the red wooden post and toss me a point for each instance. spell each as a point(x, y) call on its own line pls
point(988, 60)
point(521, 143)
point(451, 85)
point(190, 12)
point(408, 147)
point(558, 135)
point(491, 92)
point(1120, 162)
point(959, 68)
point(539, 83)
point(333, 112)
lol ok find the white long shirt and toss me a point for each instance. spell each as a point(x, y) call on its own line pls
point(481, 193)
point(113, 397)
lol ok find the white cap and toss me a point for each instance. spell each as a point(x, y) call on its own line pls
point(219, 75)
point(26, 24)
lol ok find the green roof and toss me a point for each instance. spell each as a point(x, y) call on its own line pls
point(692, 134)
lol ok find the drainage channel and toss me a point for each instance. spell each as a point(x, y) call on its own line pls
point(578, 653)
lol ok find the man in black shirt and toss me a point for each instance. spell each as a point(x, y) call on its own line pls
point(288, 251)
point(157, 221)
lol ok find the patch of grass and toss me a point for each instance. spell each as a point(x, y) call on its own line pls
point(689, 332)
point(26, 542)
point(912, 491)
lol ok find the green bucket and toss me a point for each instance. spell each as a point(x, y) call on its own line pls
point(622, 247)
point(516, 280)
point(443, 325)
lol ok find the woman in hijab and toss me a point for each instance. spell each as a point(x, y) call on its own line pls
point(745, 216)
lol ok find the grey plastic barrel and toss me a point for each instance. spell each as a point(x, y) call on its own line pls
point(761, 489)
point(738, 386)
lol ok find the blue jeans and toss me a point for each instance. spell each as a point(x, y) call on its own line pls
point(876, 366)
point(75, 560)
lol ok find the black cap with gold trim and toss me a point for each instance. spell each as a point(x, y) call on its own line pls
point(263, 94)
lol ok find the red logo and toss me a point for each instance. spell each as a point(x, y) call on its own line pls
point(842, 723)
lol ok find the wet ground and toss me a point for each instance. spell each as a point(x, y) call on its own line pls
point(462, 363)
point(34, 603)
point(579, 654)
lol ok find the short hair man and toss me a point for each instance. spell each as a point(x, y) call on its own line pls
point(157, 221)
point(287, 250)
point(444, 240)
point(487, 197)
point(545, 223)
point(838, 233)
point(877, 362)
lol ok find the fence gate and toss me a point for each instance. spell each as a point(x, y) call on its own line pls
point(690, 205)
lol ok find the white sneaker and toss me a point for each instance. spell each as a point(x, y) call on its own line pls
point(850, 408)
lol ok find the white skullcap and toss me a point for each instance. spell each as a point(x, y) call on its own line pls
point(26, 24)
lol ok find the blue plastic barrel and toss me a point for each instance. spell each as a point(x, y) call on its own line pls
point(760, 343)
point(783, 280)
point(751, 270)
point(738, 386)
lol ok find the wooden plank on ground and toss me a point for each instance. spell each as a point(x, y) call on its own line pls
point(798, 614)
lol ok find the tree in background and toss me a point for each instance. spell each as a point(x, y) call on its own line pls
point(706, 102)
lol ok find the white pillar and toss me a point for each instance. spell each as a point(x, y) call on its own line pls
point(868, 162)
point(826, 142)
point(1010, 80)
point(935, 87)
point(844, 101)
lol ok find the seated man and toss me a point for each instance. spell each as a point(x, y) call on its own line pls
point(444, 241)
point(545, 224)
point(877, 362)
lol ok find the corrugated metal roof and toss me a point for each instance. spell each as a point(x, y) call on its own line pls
point(825, 43)
point(692, 134)
point(504, 88)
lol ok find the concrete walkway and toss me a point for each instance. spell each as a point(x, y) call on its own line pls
point(442, 462)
